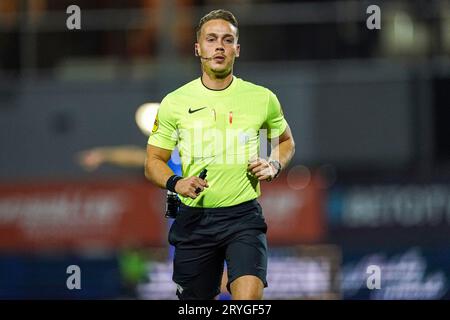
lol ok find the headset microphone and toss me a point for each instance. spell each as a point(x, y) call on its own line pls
point(204, 58)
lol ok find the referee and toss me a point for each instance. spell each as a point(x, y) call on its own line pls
point(216, 122)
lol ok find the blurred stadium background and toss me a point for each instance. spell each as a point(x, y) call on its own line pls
point(369, 109)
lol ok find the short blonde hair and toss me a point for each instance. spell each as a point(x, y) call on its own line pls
point(217, 14)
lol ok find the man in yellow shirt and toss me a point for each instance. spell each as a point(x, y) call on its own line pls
point(216, 122)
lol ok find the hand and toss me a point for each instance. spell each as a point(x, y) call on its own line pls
point(91, 159)
point(187, 186)
point(262, 169)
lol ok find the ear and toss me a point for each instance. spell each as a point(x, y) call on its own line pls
point(196, 49)
point(238, 50)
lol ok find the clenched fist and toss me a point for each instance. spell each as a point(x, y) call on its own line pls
point(187, 186)
point(262, 169)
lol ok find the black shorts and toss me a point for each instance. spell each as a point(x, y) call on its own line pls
point(205, 238)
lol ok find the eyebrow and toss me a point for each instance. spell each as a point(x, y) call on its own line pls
point(215, 34)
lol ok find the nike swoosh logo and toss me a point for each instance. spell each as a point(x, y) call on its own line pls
point(195, 110)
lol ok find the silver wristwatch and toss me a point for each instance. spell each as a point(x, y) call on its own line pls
point(277, 165)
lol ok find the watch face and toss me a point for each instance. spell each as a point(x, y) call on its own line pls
point(276, 164)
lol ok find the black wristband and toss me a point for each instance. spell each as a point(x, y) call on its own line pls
point(172, 181)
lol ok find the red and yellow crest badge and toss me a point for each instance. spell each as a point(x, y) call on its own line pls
point(155, 124)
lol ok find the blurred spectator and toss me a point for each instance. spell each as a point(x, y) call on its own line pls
point(124, 156)
point(128, 156)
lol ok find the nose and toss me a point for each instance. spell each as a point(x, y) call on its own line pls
point(220, 48)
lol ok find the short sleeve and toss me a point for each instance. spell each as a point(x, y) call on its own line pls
point(275, 122)
point(164, 133)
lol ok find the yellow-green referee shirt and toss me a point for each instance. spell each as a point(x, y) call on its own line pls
point(218, 130)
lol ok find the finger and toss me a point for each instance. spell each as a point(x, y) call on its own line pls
point(259, 168)
point(201, 182)
point(261, 173)
point(267, 171)
point(263, 178)
point(191, 193)
point(199, 189)
point(198, 184)
point(206, 183)
point(254, 164)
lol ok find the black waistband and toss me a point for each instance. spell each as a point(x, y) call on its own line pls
point(247, 205)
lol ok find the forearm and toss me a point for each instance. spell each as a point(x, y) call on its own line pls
point(158, 172)
point(283, 152)
point(126, 156)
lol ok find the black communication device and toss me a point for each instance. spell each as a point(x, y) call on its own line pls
point(201, 176)
point(173, 202)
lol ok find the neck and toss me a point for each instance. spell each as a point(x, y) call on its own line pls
point(215, 83)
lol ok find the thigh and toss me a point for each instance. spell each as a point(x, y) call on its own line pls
point(246, 254)
point(198, 272)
